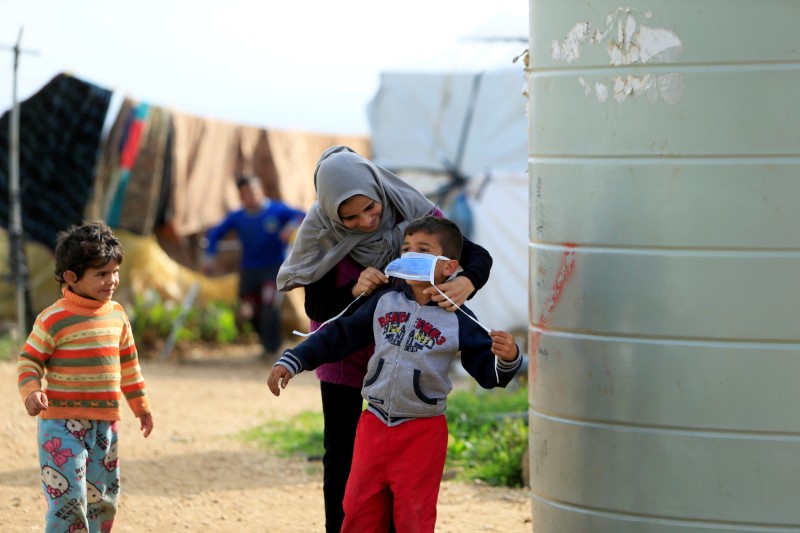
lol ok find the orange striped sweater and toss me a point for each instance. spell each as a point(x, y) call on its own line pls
point(84, 350)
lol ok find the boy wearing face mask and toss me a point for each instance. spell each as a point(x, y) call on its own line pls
point(401, 441)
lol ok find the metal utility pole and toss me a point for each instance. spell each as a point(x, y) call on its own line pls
point(15, 234)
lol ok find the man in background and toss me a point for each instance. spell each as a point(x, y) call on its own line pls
point(264, 227)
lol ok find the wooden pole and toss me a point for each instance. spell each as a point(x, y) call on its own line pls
point(15, 233)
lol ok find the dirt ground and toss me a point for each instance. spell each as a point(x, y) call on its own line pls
point(192, 476)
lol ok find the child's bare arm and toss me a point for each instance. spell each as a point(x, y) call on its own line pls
point(36, 402)
point(279, 377)
point(503, 345)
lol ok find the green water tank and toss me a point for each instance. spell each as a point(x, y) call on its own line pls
point(665, 266)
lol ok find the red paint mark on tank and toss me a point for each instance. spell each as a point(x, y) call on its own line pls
point(563, 276)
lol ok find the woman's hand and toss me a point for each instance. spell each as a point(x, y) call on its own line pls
point(457, 289)
point(370, 279)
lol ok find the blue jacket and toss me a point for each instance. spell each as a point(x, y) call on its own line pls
point(259, 233)
point(408, 375)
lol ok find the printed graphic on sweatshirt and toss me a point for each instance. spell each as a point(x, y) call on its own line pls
point(424, 336)
point(393, 324)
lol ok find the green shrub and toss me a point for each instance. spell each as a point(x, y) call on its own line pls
point(152, 320)
point(488, 435)
point(217, 322)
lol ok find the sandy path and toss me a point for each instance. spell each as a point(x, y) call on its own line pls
point(191, 476)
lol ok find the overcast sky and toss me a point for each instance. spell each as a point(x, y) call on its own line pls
point(309, 65)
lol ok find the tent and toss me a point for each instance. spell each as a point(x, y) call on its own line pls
point(463, 135)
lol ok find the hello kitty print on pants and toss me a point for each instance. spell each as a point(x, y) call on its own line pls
point(80, 474)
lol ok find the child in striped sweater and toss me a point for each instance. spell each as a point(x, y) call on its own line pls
point(83, 348)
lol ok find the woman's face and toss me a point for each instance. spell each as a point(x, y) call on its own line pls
point(361, 213)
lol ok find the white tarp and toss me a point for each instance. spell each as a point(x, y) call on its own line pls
point(417, 121)
point(501, 226)
point(417, 125)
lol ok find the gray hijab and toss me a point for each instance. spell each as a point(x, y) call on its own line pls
point(323, 240)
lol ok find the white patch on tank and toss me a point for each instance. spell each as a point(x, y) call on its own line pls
point(634, 44)
point(570, 48)
point(587, 89)
point(624, 86)
point(630, 27)
point(555, 50)
point(658, 45)
point(670, 87)
point(650, 88)
point(602, 91)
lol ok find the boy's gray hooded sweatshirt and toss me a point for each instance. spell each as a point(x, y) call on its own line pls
point(407, 377)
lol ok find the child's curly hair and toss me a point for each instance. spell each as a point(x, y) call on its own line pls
point(90, 245)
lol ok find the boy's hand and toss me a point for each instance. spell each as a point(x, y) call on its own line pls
point(278, 375)
point(503, 345)
point(146, 424)
point(36, 402)
point(369, 280)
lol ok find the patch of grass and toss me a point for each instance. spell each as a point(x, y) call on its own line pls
point(488, 435)
point(9, 348)
point(302, 435)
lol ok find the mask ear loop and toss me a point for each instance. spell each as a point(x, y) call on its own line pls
point(301, 334)
point(433, 269)
point(386, 253)
point(496, 372)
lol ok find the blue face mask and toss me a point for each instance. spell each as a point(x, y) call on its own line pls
point(410, 265)
point(421, 267)
point(414, 266)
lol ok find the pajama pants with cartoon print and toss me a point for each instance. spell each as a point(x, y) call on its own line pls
point(80, 474)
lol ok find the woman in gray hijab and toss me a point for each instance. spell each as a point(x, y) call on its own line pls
point(353, 230)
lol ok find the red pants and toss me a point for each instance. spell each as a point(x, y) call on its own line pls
point(398, 468)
